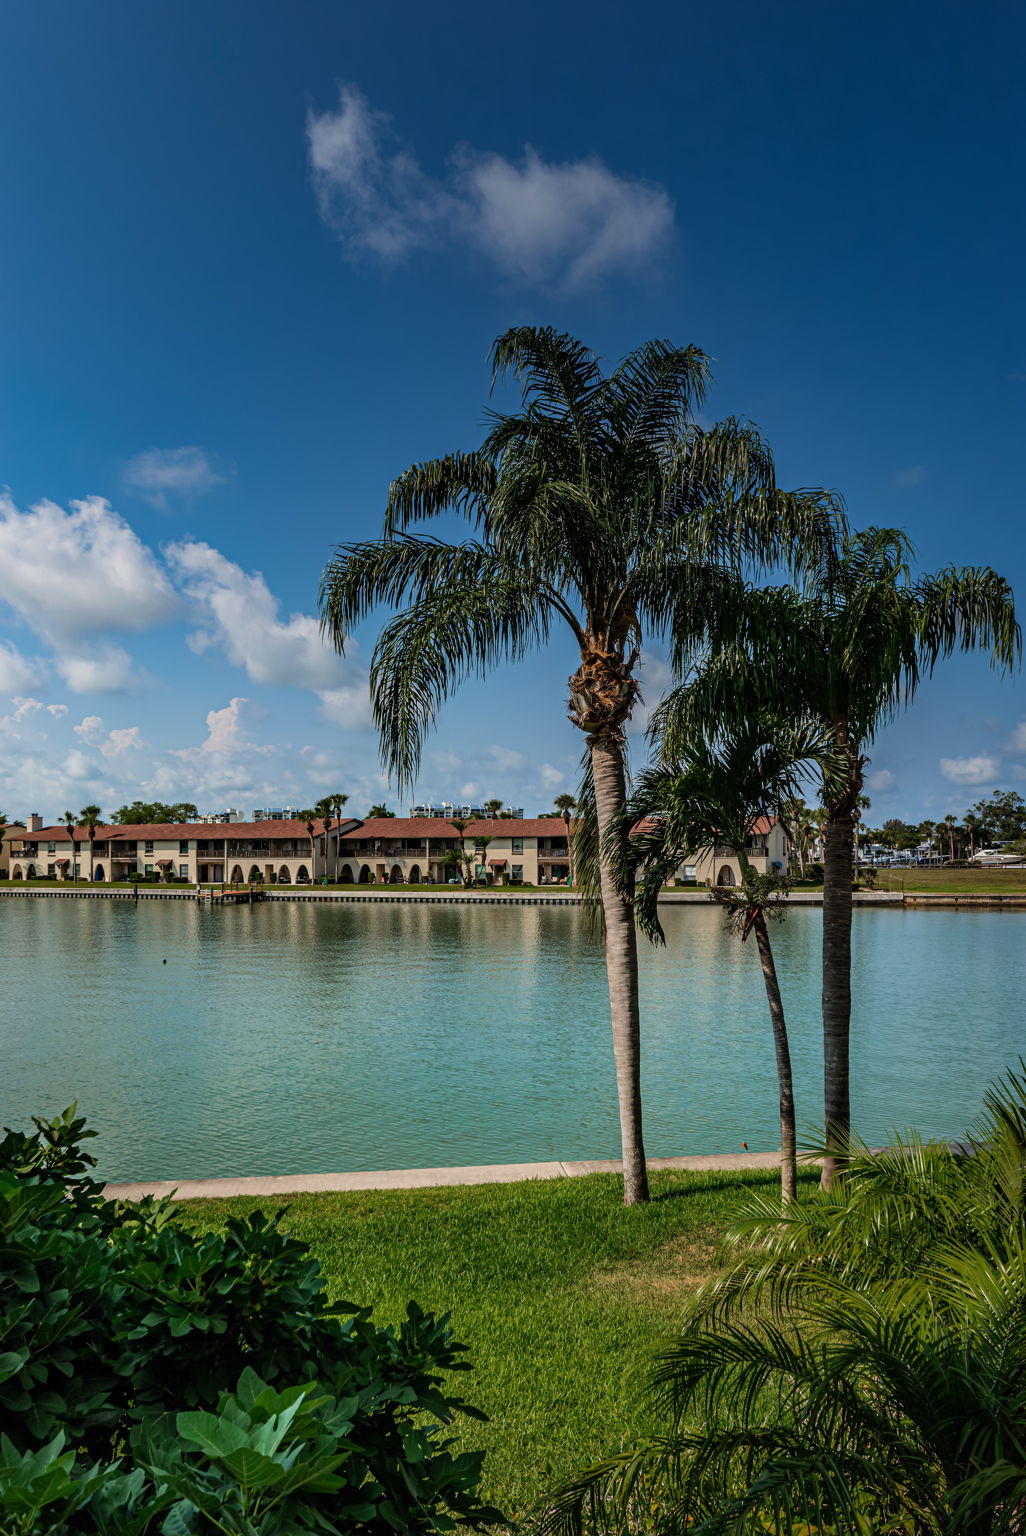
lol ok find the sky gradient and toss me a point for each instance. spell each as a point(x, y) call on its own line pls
point(254, 257)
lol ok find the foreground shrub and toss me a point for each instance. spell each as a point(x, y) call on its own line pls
point(154, 1379)
point(862, 1367)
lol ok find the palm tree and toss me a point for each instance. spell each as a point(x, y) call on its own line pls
point(565, 805)
point(89, 817)
point(492, 808)
point(600, 505)
point(69, 821)
point(482, 844)
point(462, 860)
point(849, 651)
point(719, 794)
point(309, 819)
point(381, 811)
point(328, 808)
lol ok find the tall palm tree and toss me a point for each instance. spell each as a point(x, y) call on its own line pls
point(89, 817)
point(600, 505)
point(719, 794)
point(329, 808)
point(848, 650)
point(69, 821)
point(482, 845)
point(462, 860)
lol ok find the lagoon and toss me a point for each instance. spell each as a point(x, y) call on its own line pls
point(298, 1038)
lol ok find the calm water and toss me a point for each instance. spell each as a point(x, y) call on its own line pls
point(297, 1038)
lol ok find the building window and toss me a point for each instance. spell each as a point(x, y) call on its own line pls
point(183, 870)
point(518, 872)
point(148, 848)
point(149, 869)
point(518, 845)
point(51, 847)
point(51, 870)
point(183, 846)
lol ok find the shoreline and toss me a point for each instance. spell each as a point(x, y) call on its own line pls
point(424, 1178)
point(536, 897)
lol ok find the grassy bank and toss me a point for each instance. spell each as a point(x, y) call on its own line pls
point(561, 1294)
point(957, 882)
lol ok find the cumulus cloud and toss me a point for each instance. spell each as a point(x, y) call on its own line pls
point(970, 770)
point(58, 711)
point(180, 471)
point(239, 614)
point(90, 728)
point(72, 575)
point(1017, 742)
point(551, 777)
point(569, 223)
point(881, 780)
point(107, 669)
point(504, 759)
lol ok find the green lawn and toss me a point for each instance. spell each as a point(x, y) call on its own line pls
point(955, 881)
point(561, 1294)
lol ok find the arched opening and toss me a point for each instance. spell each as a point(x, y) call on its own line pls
point(30, 872)
point(255, 877)
point(414, 874)
point(302, 875)
point(236, 875)
point(16, 872)
point(396, 877)
point(98, 873)
point(726, 876)
point(365, 875)
point(346, 876)
point(284, 878)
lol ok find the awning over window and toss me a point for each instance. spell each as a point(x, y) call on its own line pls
point(63, 861)
point(165, 862)
point(497, 863)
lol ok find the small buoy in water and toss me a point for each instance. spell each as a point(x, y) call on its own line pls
point(744, 1144)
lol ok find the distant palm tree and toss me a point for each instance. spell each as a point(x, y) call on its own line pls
point(89, 817)
point(492, 807)
point(566, 805)
point(600, 505)
point(463, 860)
point(381, 811)
point(481, 844)
point(69, 821)
point(849, 651)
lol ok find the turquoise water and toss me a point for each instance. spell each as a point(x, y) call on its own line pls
point(286, 1038)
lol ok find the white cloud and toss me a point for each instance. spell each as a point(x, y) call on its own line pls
point(125, 739)
point(182, 471)
point(26, 707)
point(970, 770)
point(469, 790)
point(17, 672)
point(74, 575)
point(58, 711)
point(90, 728)
point(77, 766)
point(504, 759)
point(655, 678)
point(1017, 742)
point(569, 223)
point(239, 613)
point(107, 669)
point(551, 777)
point(881, 780)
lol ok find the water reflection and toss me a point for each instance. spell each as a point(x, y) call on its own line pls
point(293, 1037)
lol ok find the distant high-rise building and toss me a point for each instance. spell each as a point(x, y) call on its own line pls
point(447, 812)
point(276, 813)
point(221, 816)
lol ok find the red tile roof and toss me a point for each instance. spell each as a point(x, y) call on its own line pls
point(417, 828)
point(211, 831)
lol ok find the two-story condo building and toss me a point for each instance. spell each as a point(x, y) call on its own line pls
point(197, 851)
point(411, 850)
point(766, 851)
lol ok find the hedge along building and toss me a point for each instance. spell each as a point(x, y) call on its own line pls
point(412, 850)
point(203, 852)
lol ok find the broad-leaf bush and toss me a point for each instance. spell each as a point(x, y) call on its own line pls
point(153, 1379)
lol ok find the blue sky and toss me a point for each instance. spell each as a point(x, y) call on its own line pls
point(253, 258)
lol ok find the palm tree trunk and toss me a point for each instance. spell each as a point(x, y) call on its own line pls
point(785, 1087)
point(837, 878)
point(621, 944)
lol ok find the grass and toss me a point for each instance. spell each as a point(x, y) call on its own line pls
point(561, 1293)
point(968, 882)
